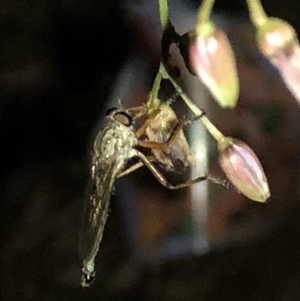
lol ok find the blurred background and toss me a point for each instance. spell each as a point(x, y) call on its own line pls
point(63, 64)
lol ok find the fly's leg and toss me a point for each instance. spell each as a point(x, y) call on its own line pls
point(146, 161)
point(223, 182)
point(138, 111)
point(134, 167)
point(130, 169)
point(163, 180)
point(142, 129)
point(162, 145)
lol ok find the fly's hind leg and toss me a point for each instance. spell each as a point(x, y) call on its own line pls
point(163, 180)
point(134, 167)
point(145, 161)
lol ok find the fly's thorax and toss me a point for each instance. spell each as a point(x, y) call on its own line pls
point(115, 141)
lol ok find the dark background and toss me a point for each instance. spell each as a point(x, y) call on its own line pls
point(58, 63)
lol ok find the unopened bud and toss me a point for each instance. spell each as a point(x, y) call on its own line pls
point(273, 36)
point(277, 40)
point(213, 61)
point(243, 169)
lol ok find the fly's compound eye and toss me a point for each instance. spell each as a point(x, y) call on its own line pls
point(123, 118)
point(109, 111)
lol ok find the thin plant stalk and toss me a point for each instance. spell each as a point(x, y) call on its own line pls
point(257, 13)
point(163, 12)
point(205, 11)
point(217, 135)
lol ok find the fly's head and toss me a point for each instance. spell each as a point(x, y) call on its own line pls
point(117, 131)
point(119, 116)
point(117, 140)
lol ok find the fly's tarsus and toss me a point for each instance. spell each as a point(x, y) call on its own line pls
point(87, 279)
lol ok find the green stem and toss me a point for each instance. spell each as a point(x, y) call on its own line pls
point(204, 11)
point(163, 12)
point(256, 12)
point(153, 101)
point(218, 136)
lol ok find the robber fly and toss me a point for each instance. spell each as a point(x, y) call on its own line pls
point(112, 148)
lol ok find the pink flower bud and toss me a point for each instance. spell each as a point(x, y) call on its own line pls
point(213, 61)
point(277, 40)
point(243, 169)
point(273, 36)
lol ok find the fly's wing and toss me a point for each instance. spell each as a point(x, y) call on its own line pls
point(96, 207)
